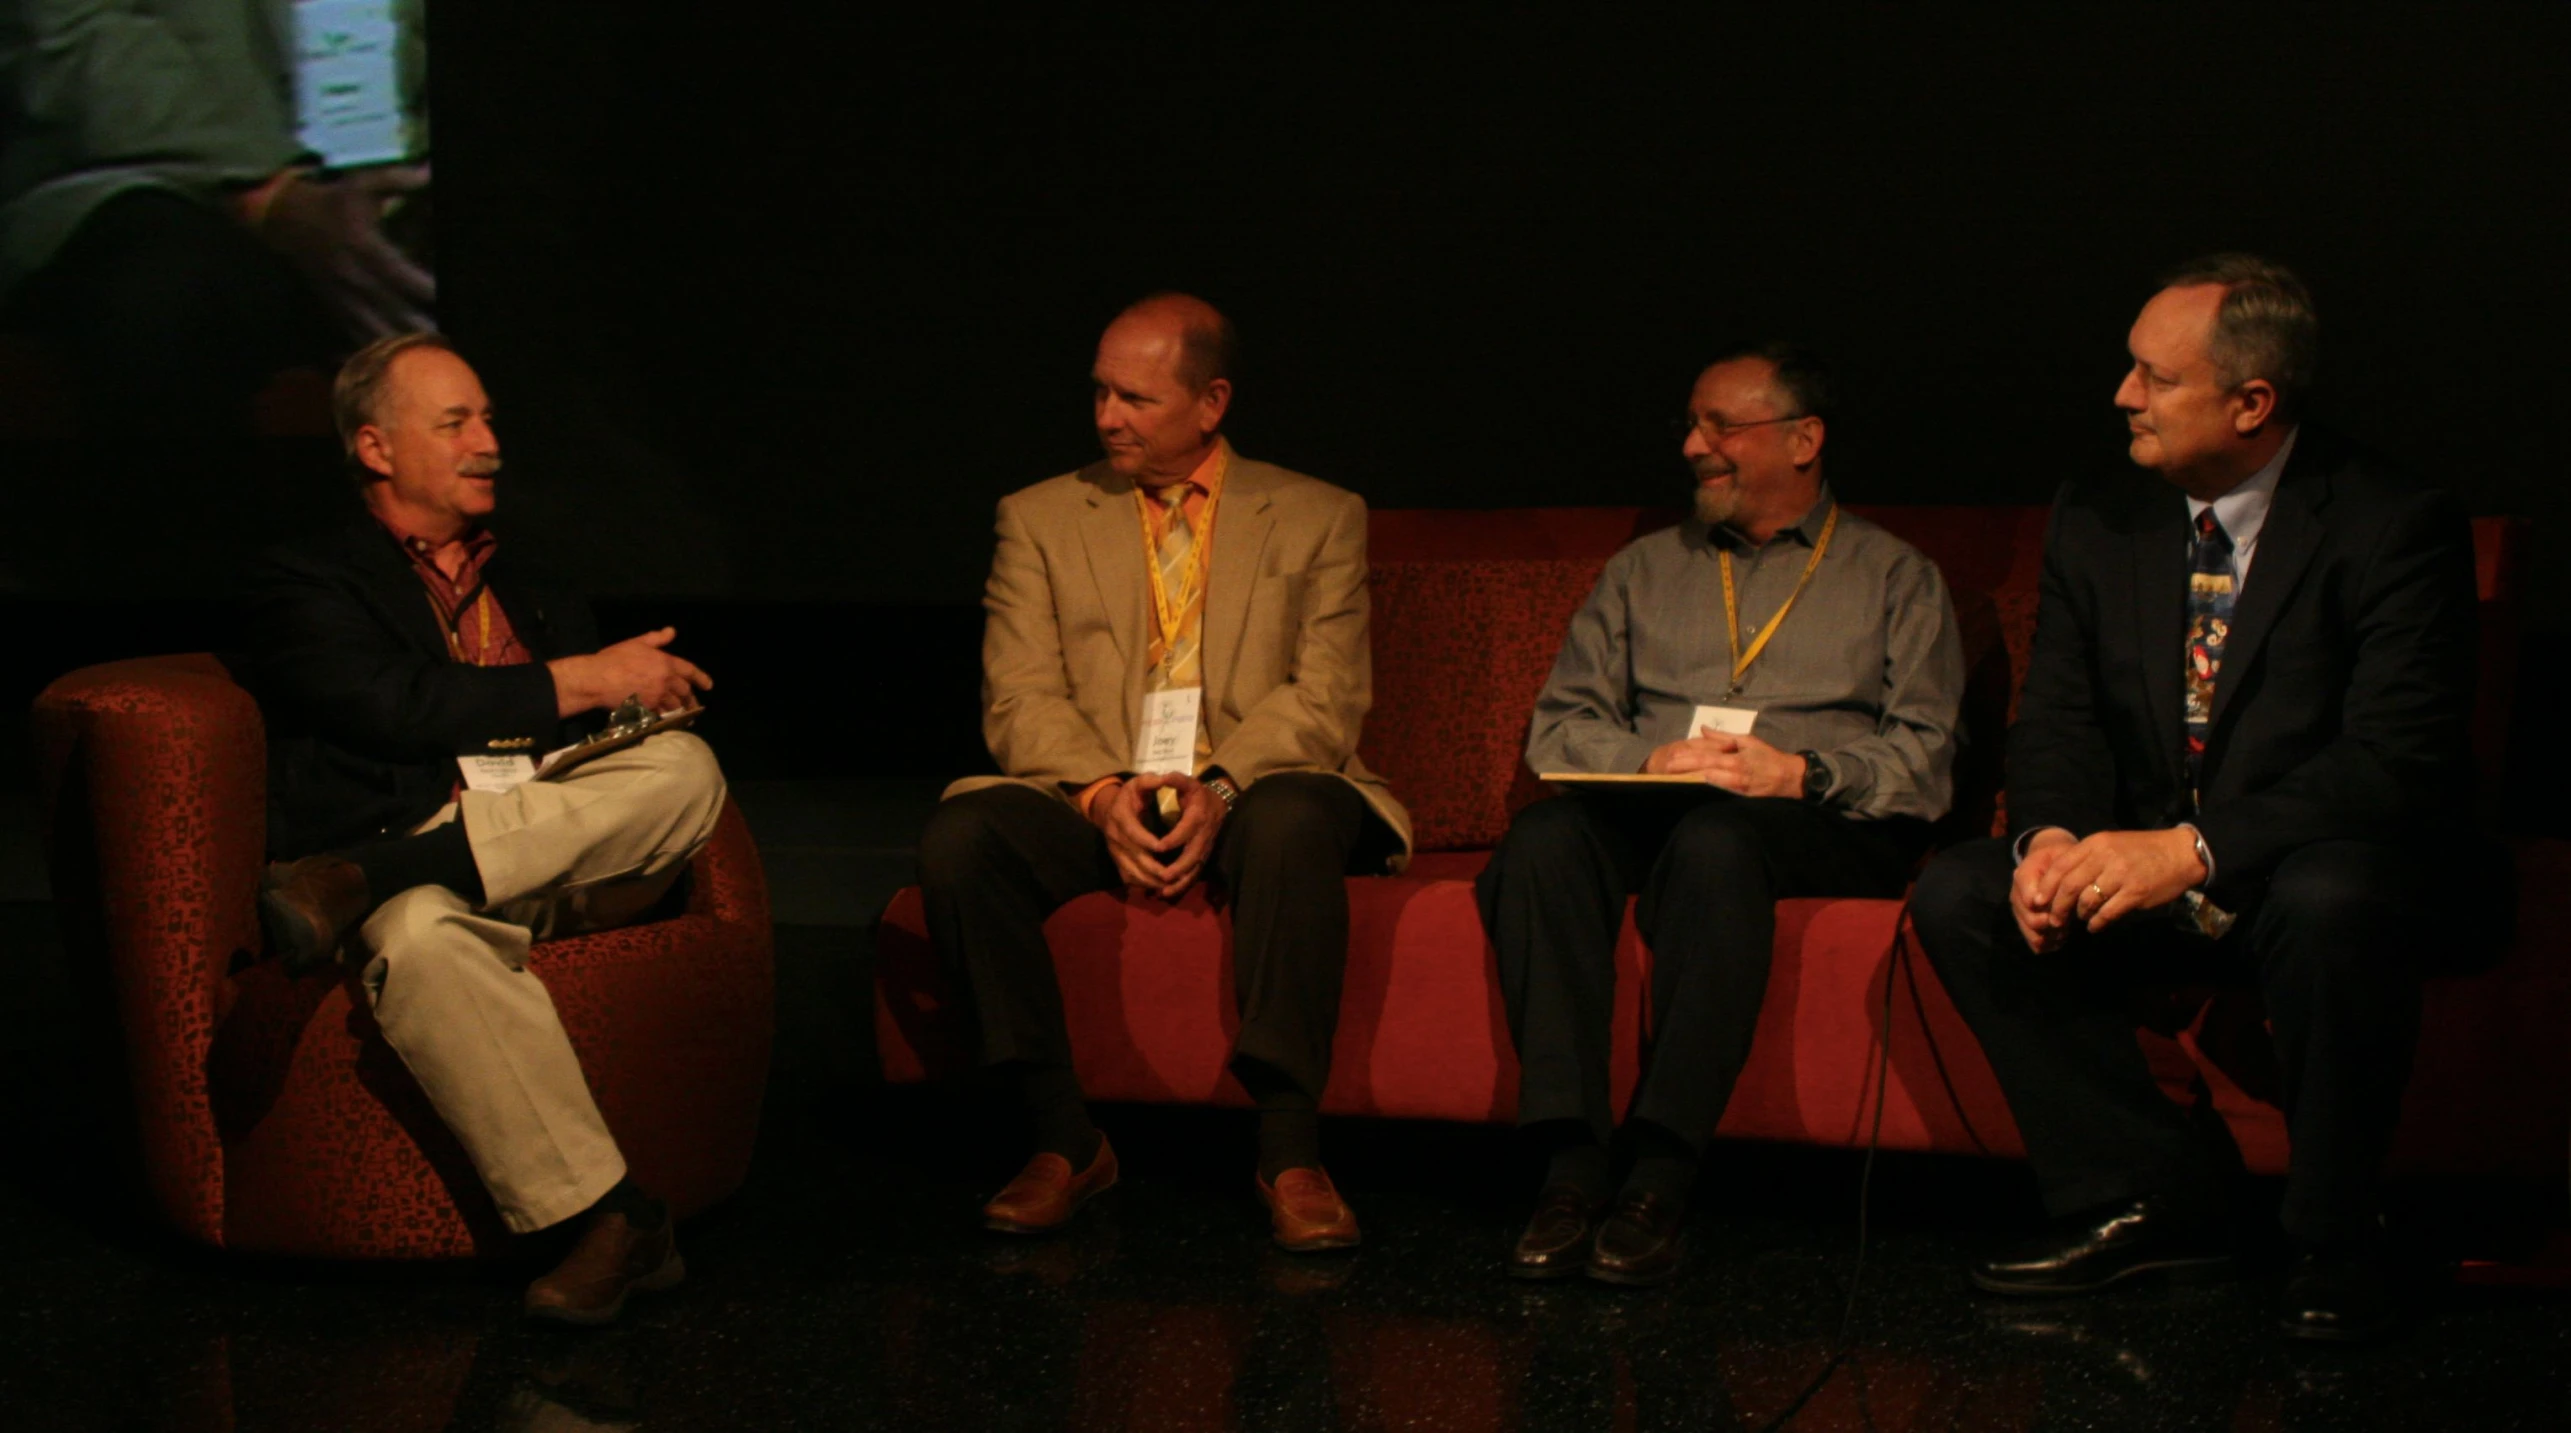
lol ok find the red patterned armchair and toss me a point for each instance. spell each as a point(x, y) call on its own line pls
point(272, 1117)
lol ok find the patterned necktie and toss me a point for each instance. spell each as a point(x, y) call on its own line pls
point(1176, 656)
point(2209, 623)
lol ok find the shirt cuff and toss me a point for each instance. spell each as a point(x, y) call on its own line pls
point(1089, 793)
point(2017, 848)
point(2204, 852)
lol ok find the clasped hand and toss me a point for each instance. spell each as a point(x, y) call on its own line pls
point(2094, 883)
point(1164, 865)
point(1743, 765)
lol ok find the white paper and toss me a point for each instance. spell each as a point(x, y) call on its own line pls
point(496, 773)
point(1167, 742)
point(1729, 721)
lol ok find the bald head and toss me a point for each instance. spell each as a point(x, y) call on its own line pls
point(1162, 383)
point(1202, 337)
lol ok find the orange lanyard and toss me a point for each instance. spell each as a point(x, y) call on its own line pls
point(1732, 603)
point(1167, 608)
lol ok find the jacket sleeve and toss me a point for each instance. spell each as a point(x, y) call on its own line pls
point(1584, 716)
point(2400, 751)
point(1029, 720)
point(1312, 720)
point(326, 663)
point(2061, 767)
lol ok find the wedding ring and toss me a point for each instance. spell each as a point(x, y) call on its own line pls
point(2093, 890)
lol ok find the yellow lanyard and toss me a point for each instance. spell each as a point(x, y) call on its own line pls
point(1732, 603)
point(481, 608)
point(1165, 608)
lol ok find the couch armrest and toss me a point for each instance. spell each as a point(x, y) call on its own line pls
point(152, 777)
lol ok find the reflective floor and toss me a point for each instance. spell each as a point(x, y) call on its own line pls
point(847, 1286)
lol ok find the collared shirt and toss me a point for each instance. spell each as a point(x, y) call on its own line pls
point(477, 630)
point(1867, 670)
point(1199, 491)
point(2243, 510)
point(1200, 486)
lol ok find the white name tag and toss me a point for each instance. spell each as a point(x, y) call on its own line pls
point(1728, 721)
point(1167, 742)
point(496, 773)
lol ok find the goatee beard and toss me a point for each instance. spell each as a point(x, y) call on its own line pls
point(1715, 506)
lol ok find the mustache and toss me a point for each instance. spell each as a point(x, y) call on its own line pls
point(1711, 468)
point(478, 467)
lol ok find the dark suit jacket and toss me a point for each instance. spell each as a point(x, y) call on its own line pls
point(366, 712)
point(2346, 690)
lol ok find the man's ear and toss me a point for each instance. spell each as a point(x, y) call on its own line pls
point(1213, 403)
point(1809, 434)
point(2254, 406)
point(374, 451)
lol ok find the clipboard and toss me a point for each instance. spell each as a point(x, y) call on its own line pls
point(626, 725)
point(1623, 778)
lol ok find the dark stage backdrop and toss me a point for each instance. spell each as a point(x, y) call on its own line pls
point(776, 304)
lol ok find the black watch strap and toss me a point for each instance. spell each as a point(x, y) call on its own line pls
point(1816, 776)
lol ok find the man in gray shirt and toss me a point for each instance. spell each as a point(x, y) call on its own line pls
point(1800, 663)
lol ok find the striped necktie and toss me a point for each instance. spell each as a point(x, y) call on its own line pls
point(1176, 657)
point(2209, 623)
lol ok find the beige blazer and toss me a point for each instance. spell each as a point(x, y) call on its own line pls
point(1287, 675)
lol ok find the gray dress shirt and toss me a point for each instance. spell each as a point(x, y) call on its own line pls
point(1867, 669)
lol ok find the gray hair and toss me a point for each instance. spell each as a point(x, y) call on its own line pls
point(360, 384)
point(2266, 327)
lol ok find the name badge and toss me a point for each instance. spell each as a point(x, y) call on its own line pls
point(1727, 721)
point(496, 774)
point(1167, 742)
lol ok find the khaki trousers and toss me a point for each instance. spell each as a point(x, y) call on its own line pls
point(450, 985)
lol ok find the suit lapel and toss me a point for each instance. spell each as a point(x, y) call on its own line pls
point(2287, 541)
point(2158, 572)
point(1241, 527)
point(1111, 535)
point(393, 587)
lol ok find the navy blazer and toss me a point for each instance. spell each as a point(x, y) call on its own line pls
point(2343, 705)
point(366, 711)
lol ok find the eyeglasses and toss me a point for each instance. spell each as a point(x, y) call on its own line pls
point(1716, 427)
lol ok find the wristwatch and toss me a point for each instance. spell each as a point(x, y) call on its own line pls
point(1816, 776)
point(1222, 786)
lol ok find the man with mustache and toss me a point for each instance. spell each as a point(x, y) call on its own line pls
point(410, 676)
point(2240, 755)
point(1795, 670)
point(1175, 668)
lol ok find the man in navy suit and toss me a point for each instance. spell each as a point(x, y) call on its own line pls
point(2241, 754)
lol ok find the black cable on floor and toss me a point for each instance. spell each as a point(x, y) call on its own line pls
point(1896, 965)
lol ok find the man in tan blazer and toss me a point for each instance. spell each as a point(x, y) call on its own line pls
point(1174, 675)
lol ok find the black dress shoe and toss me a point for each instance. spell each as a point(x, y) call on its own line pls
point(1556, 1241)
point(308, 907)
point(2339, 1296)
point(2093, 1250)
point(1641, 1240)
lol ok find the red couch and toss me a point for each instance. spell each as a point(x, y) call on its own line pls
point(1468, 610)
point(272, 1116)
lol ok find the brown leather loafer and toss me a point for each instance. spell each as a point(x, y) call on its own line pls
point(612, 1260)
point(1556, 1241)
point(1306, 1213)
point(308, 907)
point(1046, 1193)
point(1641, 1241)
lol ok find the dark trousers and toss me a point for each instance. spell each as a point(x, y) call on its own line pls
point(994, 863)
point(2332, 947)
point(1710, 869)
